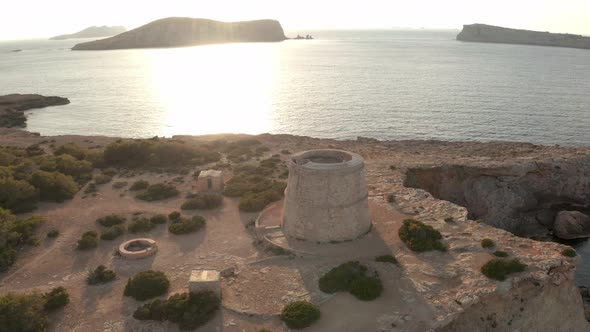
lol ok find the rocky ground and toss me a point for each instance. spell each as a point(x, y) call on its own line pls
point(438, 291)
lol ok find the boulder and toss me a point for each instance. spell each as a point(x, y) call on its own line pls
point(571, 225)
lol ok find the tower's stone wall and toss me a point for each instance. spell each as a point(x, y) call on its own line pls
point(326, 197)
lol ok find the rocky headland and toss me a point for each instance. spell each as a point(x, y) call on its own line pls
point(13, 106)
point(484, 33)
point(468, 191)
point(184, 31)
point(93, 32)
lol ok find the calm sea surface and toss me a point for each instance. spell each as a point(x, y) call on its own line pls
point(381, 84)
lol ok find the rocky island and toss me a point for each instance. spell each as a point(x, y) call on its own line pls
point(484, 33)
point(93, 32)
point(184, 31)
point(13, 106)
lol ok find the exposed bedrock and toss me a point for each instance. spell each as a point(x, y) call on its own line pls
point(523, 198)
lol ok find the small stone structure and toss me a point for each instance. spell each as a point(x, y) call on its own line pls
point(326, 197)
point(205, 280)
point(210, 181)
point(138, 248)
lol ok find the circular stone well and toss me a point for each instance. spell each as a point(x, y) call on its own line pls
point(138, 248)
point(326, 197)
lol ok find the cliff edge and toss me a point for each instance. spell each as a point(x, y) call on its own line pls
point(484, 33)
point(184, 31)
point(12, 107)
point(93, 32)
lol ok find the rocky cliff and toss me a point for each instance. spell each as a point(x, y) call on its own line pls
point(181, 31)
point(492, 34)
point(12, 107)
point(93, 32)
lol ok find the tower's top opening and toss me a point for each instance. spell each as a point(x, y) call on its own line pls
point(322, 157)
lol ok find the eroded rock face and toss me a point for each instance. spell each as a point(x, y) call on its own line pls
point(522, 198)
point(571, 225)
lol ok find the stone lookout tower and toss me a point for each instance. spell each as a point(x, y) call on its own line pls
point(326, 197)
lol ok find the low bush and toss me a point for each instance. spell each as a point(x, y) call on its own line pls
point(188, 310)
point(17, 195)
point(110, 172)
point(420, 237)
point(100, 275)
point(23, 313)
point(186, 226)
point(72, 150)
point(56, 298)
point(140, 225)
point(174, 216)
point(111, 220)
point(569, 252)
point(158, 192)
point(158, 219)
point(53, 186)
point(89, 240)
point(499, 253)
point(366, 288)
point(203, 202)
point(15, 232)
point(112, 233)
point(102, 179)
point(119, 185)
point(146, 285)
point(53, 233)
point(91, 188)
point(499, 268)
point(139, 185)
point(386, 259)
point(300, 314)
point(487, 243)
point(352, 277)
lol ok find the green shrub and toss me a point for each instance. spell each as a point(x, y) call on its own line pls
point(188, 310)
point(186, 226)
point(7, 258)
point(254, 186)
point(53, 186)
point(72, 150)
point(140, 225)
point(158, 192)
point(119, 185)
point(111, 220)
point(146, 285)
point(23, 313)
point(158, 219)
point(420, 237)
point(487, 243)
point(366, 288)
point(300, 314)
point(499, 268)
point(102, 179)
point(17, 195)
point(89, 240)
point(69, 165)
point(14, 233)
point(53, 233)
point(569, 252)
point(100, 275)
point(499, 253)
point(110, 172)
point(203, 202)
point(112, 233)
point(139, 185)
point(386, 259)
point(56, 298)
point(174, 216)
point(91, 188)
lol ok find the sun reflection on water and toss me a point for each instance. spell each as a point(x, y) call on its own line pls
point(214, 88)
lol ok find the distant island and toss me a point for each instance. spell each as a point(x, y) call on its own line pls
point(93, 32)
point(184, 31)
point(12, 107)
point(484, 33)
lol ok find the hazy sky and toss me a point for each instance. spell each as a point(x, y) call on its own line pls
point(42, 18)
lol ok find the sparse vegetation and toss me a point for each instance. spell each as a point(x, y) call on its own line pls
point(146, 285)
point(174, 216)
point(139, 185)
point(500, 253)
point(141, 224)
point(120, 184)
point(499, 268)
point(56, 298)
point(203, 202)
point(569, 252)
point(420, 237)
point(188, 310)
point(158, 219)
point(487, 243)
point(111, 220)
point(352, 277)
point(102, 179)
point(100, 275)
point(89, 240)
point(254, 186)
point(54, 186)
point(23, 313)
point(158, 192)
point(386, 259)
point(300, 314)
point(53, 233)
point(15, 233)
point(186, 226)
point(72, 150)
point(112, 233)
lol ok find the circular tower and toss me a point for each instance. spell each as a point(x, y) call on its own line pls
point(326, 196)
